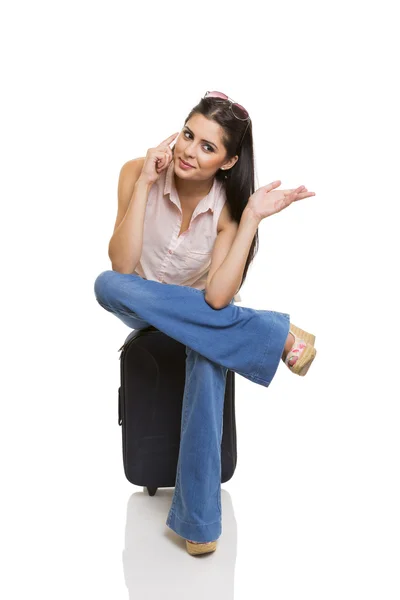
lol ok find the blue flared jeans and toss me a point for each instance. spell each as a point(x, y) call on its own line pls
point(247, 341)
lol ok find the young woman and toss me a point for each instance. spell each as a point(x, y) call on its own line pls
point(184, 237)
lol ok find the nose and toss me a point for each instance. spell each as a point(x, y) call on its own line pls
point(189, 150)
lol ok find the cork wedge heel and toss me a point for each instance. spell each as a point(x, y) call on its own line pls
point(195, 548)
point(304, 335)
point(303, 349)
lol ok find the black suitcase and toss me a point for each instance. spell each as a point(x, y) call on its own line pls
point(150, 408)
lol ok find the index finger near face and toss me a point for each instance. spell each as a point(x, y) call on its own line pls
point(168, 140)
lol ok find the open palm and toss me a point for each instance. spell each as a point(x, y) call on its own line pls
point(267, 200)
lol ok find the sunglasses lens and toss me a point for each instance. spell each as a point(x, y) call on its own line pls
point(239, 111)
point(216, 95)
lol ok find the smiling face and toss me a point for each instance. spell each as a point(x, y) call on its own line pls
point(200, 144)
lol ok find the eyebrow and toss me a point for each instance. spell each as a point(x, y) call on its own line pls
point(203, 140)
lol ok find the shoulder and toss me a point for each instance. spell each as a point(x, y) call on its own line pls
point(225, 220)
point(129, 174)
point(131, 169)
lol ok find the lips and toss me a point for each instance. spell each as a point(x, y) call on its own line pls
point(185, 163)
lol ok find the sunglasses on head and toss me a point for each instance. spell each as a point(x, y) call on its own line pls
point(237, 110)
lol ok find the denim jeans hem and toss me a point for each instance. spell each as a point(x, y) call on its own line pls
point(208, 532)
point(255, 379)
point(271, 356)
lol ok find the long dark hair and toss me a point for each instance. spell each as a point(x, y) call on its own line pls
point(239, 179)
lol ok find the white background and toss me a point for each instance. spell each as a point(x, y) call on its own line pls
point(315, 498)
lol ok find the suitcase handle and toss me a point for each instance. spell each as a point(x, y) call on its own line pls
point(119, 407)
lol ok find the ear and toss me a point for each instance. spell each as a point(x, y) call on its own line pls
point(229, 163)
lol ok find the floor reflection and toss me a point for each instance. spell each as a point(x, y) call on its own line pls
point(156, 563)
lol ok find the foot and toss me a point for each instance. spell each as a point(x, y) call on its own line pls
point(289, 347)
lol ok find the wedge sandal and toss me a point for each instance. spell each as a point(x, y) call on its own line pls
point(304, 335)
point(200, 548)
point(303, 349)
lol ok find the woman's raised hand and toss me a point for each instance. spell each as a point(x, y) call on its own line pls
point(157, 160)
point(267, 200)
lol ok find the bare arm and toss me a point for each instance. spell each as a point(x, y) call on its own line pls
point(229, 258)
point(125, 246)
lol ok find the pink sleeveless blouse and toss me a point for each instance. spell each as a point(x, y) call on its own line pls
point(183, 259)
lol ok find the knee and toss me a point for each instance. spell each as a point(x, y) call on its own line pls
point(103, 286)
point(194, 358)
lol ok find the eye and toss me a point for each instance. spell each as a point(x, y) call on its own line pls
point(206, 145)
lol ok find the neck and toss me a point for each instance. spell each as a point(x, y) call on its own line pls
point(192, 190)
